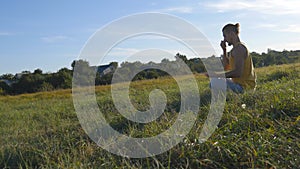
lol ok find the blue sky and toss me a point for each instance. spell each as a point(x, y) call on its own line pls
point(50, 34)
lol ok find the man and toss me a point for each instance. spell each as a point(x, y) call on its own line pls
point(238, 64)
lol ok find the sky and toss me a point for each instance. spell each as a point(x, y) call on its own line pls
point(49, 35)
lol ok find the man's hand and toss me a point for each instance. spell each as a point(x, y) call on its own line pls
point(223, 45)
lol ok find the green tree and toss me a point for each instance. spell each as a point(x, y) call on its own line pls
point(7, 77)
point(28, 83)
point(61, 80)
point(182, 57)
point(38, 71)
point(83, 74)
point(4, 88)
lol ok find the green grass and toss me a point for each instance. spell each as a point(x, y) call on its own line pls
point(41, 130)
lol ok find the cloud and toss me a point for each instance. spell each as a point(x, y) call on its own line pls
point(266, 25)
point(295, 28)
point(178, 10)
point(6, 33)
point(271, 7)
point(150, 37)
point(53, 39)
point(153, 4)
point(123, 51)
point(285, 45)
point(292, 28)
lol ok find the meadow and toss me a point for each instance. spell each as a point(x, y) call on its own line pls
point(258, 129)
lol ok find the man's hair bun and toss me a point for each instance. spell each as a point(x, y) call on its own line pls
point(232, 27)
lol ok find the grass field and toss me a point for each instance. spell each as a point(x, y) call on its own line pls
point(41, 130)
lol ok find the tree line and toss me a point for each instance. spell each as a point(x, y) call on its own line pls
point(37, 81)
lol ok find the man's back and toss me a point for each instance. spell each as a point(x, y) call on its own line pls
point(248, 77)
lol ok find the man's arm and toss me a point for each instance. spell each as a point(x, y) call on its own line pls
point(239, 54)
point(225, 60)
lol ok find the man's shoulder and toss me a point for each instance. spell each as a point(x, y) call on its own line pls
point(241, 49)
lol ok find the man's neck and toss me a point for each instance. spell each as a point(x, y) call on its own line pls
point(236, 42)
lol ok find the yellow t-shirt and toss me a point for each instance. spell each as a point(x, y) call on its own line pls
point(248, 77)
